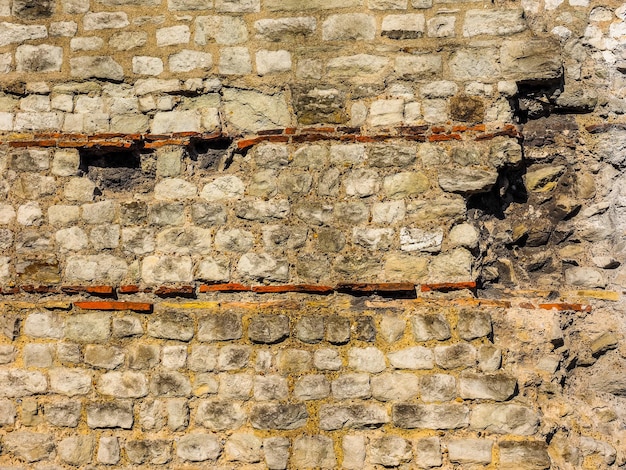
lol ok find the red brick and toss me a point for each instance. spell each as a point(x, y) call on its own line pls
point(304, 288)
point(564, 306)
point(169, 291)
point(448, 286)
point(228, 287)
point(377, 287)
point(130, 289)
point(114, 305)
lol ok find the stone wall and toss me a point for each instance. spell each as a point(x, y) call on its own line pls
point(324, 234)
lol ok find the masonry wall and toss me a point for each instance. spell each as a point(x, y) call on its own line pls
point(325, 234)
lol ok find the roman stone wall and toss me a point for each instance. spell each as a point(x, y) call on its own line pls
point(324, 234)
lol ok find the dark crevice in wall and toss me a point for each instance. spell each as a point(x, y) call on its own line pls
point(116, 170)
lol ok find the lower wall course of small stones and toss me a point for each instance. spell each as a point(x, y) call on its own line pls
point(238, 381)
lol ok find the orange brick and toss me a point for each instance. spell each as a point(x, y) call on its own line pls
point(228, 287)
point(113, 305)
point(448, 286)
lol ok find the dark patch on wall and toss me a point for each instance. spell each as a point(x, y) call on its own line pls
point(119, 170)
point(33, 9)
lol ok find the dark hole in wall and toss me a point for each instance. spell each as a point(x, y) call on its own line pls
point(118, 169)
point(509, 189)
point(536, 98)
point(209, 154)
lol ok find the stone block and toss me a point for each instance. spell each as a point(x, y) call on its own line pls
point(155, 452)
point(470, 451)
point(220, 415)
point(44, 325)
point(281, 29)
point(473, 324)
point(279, 416)
point(430, 326)
point(111, 414)
point(450, 416)
point(390, 451)
point(173, 35)
point(188, 60)
point(494, 22)
point(76, 450)
point(455, 356)
point(521, 455)
point(170, 383)
point(428, 452)
point(171, 325)
point(394, 386)
point(65, 413)
point(88, 327)
point(327, 359)
point(143, 356)
point(418, 66)
point(349, 26)
point(333, 417)
point(220, 327)
point(21, 383)
point(498, 387)
point(504, 419)
point(243, 447)
point(233, 357)
point(270, 387)
point(126, 384)
point(408, 26)
point(166, 269)
point(276, 450)
point(314, 452)
point(268, 329)
point(29, 446)
point(348, 386)
point(366, 359)
point(108, 450)
point(312, 387)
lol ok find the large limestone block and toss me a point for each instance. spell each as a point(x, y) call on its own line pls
point(253, 111)
point(531, 59)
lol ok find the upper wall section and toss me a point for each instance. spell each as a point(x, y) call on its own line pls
point(354, 62)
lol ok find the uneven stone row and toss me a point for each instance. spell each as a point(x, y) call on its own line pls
point(261, 328)
point(307, 451)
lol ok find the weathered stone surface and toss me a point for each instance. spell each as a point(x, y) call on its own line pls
point(282, 416)
point(470, 451)
point(455, 356)
point(70, 382)
point(498, 387)
point(354, 26)
point(504, 419)
point(20, 383)
point(148, 451)
point(437, 387)
point(430, 326)
point(76, 450)
point(394, 386)
point(524, 455)
point(314, 452)
point(123, 384)
point(44, 58)
point(351, 386)
point(63, 413)
point(220, 327)
point(366, 359)
point(171, 325)
point(198, 447)
point(96, 67)
point(536, 59)
point(500, 23)
point(428, 452)
point(430, 416)
point(111, 414)
point(268, 329)
point(243, 447)
point(220, 415)
point(254, 111)
point(29, 446)
point(353, 416)
point(390, 451)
